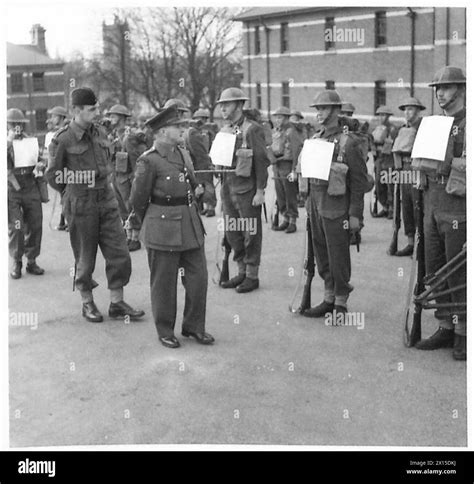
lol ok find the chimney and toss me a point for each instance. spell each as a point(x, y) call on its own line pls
point(38, 37)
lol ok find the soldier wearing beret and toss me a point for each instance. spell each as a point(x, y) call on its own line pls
point(286, 147)
point(25, 213)
point(335, 210)
point(445, 217)
point(80, 169)
point(163, 198)
point(243, 189)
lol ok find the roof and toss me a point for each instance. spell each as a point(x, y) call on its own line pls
point(28, 55)
point(256, 12)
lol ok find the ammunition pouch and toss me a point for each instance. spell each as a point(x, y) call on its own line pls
point(243, 165)
point(405, 140)
point(387, 146)
point(337, 179)
point(457, 178)
point(121, 162)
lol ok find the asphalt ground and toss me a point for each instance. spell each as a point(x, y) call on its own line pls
point(272, 377)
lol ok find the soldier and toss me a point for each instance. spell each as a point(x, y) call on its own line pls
point(162, 196)
point(25, 213)
point(402, 147)
point(445, 214)
point(126, 147)
point(80, 169)
point(243, 191)
point(286, 147)
point(347, 109)
point(56, 121)
point(198, 144)
point(383, 136)
point(332, 217)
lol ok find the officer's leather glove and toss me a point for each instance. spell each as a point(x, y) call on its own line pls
point(259, 198)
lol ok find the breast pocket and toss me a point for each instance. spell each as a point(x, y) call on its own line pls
point(163, 227)
point(76, 155)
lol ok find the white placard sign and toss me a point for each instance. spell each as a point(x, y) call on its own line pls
point(316, 158)
point(222, 149)
point(25, 152)
point(432, 137)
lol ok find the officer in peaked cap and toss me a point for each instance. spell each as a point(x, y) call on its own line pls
point(445, 213)
point(402, 147)
point(243, 189)
point(286, 147)
point(163, 196)
point(25, 213)
point(335, 210)
point(80, 169)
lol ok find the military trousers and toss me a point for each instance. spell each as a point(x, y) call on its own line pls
point(286, 191)
point(331, 245)
point(444, 226)
point(243, 225)
point(409, 196)
point(25, 220)
point(94, 221)
point(164, 270)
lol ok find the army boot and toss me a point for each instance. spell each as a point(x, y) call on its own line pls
point(459, 351)
point(408, 250)
point(16, 270)
point(320, 310)
point(443, 338)
point(33, 268)
point(248, 285)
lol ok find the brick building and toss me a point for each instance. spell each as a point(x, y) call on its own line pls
point(35, 81)
point(370, 55)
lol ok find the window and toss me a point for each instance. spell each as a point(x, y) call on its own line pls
point(380, 97)
point(330, 85)
point(329, 42)
point(41, 116)
point(16, 79)
point(283, 37)
point(257, 40)
point(38, 81)
point(285, 94)
point(380, 29)
point(259, 96)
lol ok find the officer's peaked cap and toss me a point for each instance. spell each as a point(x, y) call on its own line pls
point(166, 117)
point(83, 96)
point(180, 106)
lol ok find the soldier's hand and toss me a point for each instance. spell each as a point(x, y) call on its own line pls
point(354, 223)
point(292, 176)
point(259, 198)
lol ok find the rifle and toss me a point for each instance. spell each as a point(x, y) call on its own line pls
point(308, 269)
point(414, 307)
point(224, 277)
point(393, 247)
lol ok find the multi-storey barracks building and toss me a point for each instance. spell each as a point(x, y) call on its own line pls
point(371, 55)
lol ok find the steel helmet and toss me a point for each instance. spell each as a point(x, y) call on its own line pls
point(411, 101)
point(297, 113)
point(329, 97)
point(282, 111)
point(232, 94)
point(383, 110)
point(448, 75)
point(180, 106)
point(58, 111)
point(15, 115)
point(201, 113)
point(348, 107)
point(119, 109)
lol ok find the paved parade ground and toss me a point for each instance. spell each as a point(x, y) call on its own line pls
point(271, 378)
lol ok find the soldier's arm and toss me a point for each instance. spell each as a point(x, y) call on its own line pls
point(135, 146)
point(142, 186)
point(198, 150)
point(57, 162)
point(357, 175)
point(295, 146)
point(256, 141)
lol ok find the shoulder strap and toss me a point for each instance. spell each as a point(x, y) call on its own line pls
point(245, 127)
point(341, 157)
point(58, 132)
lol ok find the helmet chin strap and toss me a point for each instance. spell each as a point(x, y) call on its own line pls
point(451, 101)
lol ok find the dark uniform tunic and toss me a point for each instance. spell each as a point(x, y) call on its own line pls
point(329, 218)
point(91, 210)
point(287, 146)
point(445, 223)
point(173, 233)
point(25, 213)
point(237, 193)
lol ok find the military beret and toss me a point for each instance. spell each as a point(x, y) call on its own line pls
point(166, 117)
point(83, 96)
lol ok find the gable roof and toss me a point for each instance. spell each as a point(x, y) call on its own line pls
point(28, 55)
